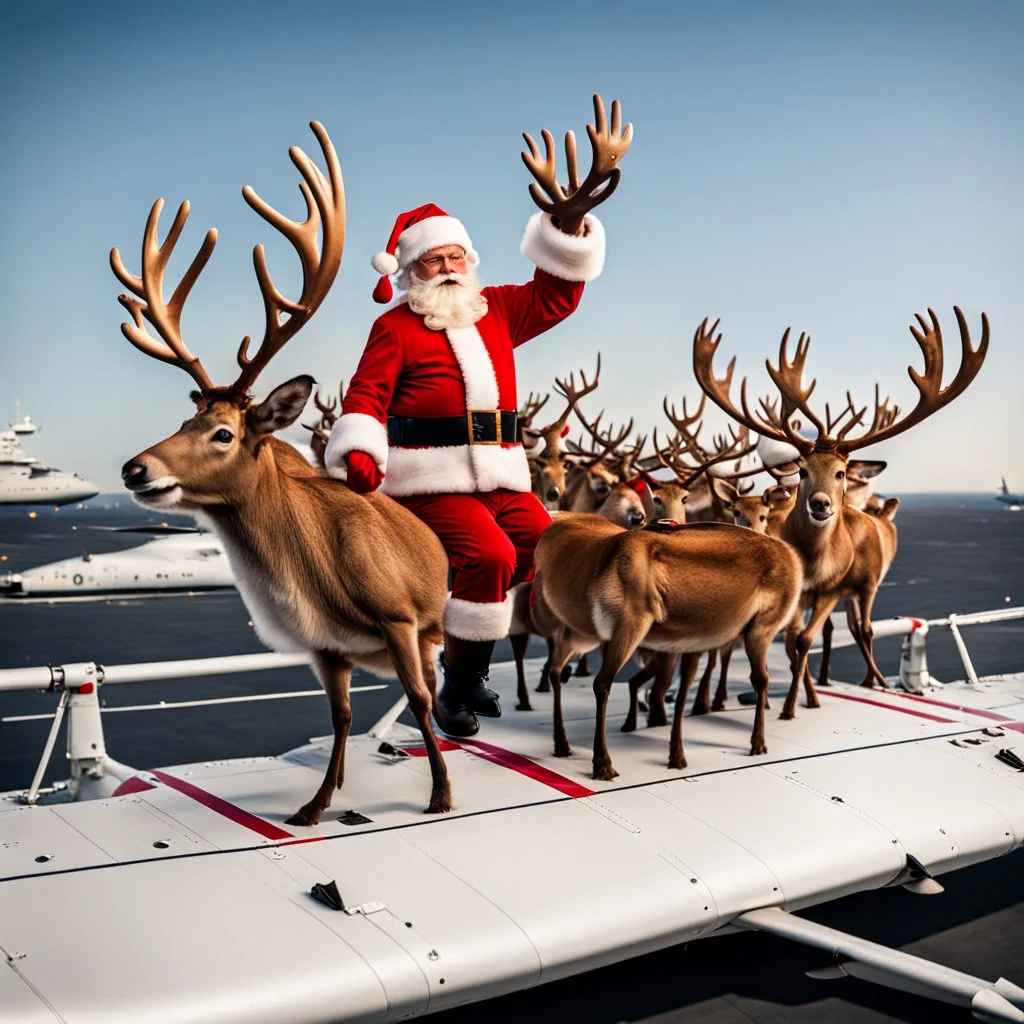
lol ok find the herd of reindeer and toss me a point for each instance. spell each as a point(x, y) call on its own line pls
point(645, 557)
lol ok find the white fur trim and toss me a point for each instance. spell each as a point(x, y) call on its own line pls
point(570, 257)
point(775, 453)
point(384, 263)
point(459, 469)
point(470, 620)
point(428, 234)
point(355, 432)
point(478, 374)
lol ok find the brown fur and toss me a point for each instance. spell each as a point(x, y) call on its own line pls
point(356, 580)
point(684, 592)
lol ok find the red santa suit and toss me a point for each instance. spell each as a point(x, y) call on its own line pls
point(476, 496)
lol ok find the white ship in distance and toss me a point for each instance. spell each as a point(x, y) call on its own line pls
point(25, 480)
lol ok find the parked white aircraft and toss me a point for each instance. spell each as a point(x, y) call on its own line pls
point(184, 559)
point(24, 480)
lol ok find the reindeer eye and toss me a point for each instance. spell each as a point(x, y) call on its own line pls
point(762, 518)
point(657, 500)
point(686, 498)
point(803, 474)
point(223, 436)
point(840, 475)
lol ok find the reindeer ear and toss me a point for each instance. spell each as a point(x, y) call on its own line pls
point(866, 468)
point(282, 407)
point(723, 489)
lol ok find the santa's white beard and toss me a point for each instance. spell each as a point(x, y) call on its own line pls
point(443, 304)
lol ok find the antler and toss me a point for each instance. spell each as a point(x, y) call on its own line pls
point(705, 344)
point(683, 423)
point(164, 316)
point(325, 206)
point(932, 395)
point(570, 205)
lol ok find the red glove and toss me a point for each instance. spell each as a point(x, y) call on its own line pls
point(363, 474)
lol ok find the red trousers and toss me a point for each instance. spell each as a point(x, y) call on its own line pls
point(489, 539)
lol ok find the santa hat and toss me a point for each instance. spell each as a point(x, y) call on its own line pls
point(416, 232)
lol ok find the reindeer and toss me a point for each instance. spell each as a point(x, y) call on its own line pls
point(321, 430)
point(352, 579)
point(845, 552)
point(548, 466)
point(626, 506)
point(683, 592)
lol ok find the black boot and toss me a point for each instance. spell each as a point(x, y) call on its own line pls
point(451, 710)
point(467, 662)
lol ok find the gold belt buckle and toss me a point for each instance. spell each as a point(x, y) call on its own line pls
point(496, 413)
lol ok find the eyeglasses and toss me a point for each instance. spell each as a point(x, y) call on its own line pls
point(433, 262)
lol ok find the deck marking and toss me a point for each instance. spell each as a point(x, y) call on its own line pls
point(509, 759)
point(883, 704)
point(980, 712)
point(136, 784)
point(224, 807)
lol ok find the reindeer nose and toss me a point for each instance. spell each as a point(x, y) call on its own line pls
point(820, 502)
point(133, 472)
point(637, 519)
point(553, 493)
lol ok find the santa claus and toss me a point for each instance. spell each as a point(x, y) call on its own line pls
point(430, 414)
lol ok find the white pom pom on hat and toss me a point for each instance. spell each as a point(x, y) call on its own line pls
point(385, 263)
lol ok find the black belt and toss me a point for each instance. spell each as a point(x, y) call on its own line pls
point(489, 426)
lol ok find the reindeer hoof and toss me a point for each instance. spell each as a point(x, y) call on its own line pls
point(814, 703)
point(868, 684)
point(787, 715)
point(544, 687)
point(306, 817)
point(524, 706)
point(758, 748)
point(656, 719)
point(604, 771)
point(629, 726)
point(699, 709)
point(439, 805)
point(563, 750)
point(718, 706)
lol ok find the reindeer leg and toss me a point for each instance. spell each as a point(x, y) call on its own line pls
point(410, 654)
point(335, 674)
point(702, 702)
point(656, 713)
point(582, 667)
point(866, 635)
point(826, 651)
point(722, 693)
point(561, 652)
point(635, 682)
point(756, 642)
point(614, 654)
point(687, 670)
point(823, 605)
point(544, 686)
point(519, 642)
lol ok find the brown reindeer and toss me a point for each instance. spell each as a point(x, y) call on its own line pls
point(321, 430)
point(352, 579)
point(548, 466)
point(675, 593)
point(626, 506)
point(845, 552)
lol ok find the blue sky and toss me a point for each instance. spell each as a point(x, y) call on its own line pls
point(834, 167)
